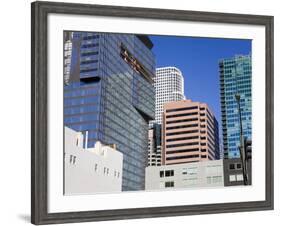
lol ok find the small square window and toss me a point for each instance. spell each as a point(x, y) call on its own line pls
point(231, 166)
point(169, 173)
point(239, 166)
point(239, 177)
point(169, 184)
point(232, 178)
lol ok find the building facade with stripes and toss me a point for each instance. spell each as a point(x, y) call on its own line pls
point(190, 133)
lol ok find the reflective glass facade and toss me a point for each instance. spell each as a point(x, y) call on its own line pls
point(235, 78)
point(110, 94)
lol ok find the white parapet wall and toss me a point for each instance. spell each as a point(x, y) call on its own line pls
point(186, 175)
point(90, 170)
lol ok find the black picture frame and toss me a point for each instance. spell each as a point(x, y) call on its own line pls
point(39, 109)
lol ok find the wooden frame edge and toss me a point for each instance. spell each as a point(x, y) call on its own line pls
point(39, 12)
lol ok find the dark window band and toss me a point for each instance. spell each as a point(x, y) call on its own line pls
point(183, 138)
point(180, 115)
point(180, 145)
point(183, 120)
point(182, 109)
point(182, 157)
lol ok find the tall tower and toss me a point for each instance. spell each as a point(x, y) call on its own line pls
point(235, 78)
point(110, 96)
point(154, 145)
point(169, 86)
point(190, 133)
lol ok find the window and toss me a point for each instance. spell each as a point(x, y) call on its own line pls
point(232, 178)
point(238, 165)
point(182, 157)
point(183, 138)
point(180, 115)
point(96, 167)
point(239, 177)
point(231, 166)
point(104, 170)
point(169, 184)
point(72, 159)
point(161, 173)
point(169, 173)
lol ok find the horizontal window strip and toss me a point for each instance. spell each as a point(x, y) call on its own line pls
point(183, 132)
point(183, 120)
point(182, 109)
point(181, 115)
point(89, 37)
point(182, 157)
point(180, 145)
point(183, 138)
point(90, 53)
point(88, 70)
point(181, 127)
point(88, 62)
point(90, 45)
point(182, 151)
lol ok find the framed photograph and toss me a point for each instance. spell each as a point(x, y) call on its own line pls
point(141, 112)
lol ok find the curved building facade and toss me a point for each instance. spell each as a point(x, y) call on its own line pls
point(169, 87)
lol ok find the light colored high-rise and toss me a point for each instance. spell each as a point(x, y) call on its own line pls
point(190, 133)
point(169, 86)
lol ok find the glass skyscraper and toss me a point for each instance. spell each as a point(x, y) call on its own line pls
point(109, 96)
point(235, 78)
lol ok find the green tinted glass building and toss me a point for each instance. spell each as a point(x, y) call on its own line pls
point(235, 78)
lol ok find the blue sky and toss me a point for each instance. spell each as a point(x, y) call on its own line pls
point(197, 58)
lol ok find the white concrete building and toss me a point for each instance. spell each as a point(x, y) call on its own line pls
point(67, 60)
point(169, 86)
point(187, 175)
point(90, 170)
